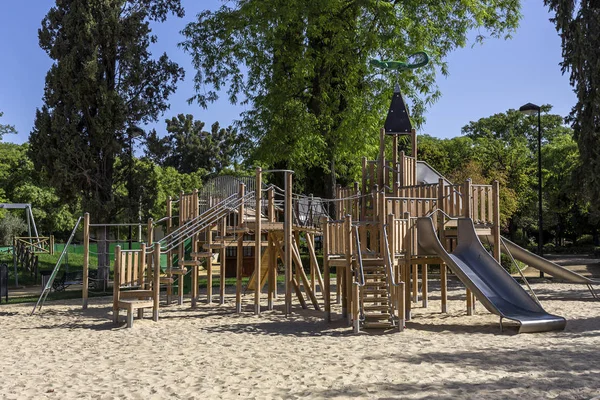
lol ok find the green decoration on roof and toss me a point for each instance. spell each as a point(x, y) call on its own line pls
point(416, 60)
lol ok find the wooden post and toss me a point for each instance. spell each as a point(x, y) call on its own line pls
point(51, 245)
point(156, 281)
point(391, 231)
point(240, 252)
point(415, 282)
point(401, 306)
point(467, 199)
point(469, 302)
point(257, 239)
point(223, 261)
point(86, 258)
point(407, 267)
point(413, 139)
point(365, 189)
point(395, 162)
point(194, 289)
point(347, 289)
point(169, 252)
point(444, 286)
point(381, 174)
point(271, 272)
point(209, 266)
point(355, 309)
point(496, 219)
point(272, 254)
point(287, 229)
point(116, 284)
point(326, 271)
point(424, 285)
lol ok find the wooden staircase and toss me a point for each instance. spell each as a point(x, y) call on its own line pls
point(375, 300)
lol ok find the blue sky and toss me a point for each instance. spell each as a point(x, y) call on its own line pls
point(484, 79)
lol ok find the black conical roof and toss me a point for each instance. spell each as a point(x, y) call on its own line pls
point(397, 120)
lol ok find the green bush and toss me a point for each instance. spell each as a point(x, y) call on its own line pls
point(549, 248)
point(11, 226)
point(585, 239)
point(508, 265)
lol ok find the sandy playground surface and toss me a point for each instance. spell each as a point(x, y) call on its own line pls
point(212, 353)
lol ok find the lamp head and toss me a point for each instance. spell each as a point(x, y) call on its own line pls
point(529, 109)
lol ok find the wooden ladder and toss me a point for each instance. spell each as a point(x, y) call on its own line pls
point(375, 296)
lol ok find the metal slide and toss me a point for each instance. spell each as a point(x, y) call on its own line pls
point(492, 285)
point(540, 263)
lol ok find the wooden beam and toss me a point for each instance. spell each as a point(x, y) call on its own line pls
point(303, 276)
point(313, 257)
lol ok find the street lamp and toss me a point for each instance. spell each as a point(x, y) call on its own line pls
point(532, 109)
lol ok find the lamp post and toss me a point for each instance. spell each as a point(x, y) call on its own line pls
point(132, 133)
point(532, 109)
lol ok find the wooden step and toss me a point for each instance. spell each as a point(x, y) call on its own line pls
point(372, 275)
point(374, 262)
point(136, 294)
point(238, 230)
point(338, 262)
point(377, 316)
point(377, 325)
point(212, 246)
point(178, 271)
point(375, 300)
point(371, 291)
point(380, 284)
point(225, 238)
point(376, 308)
point(190, 263)
point(201, 254)
point(374, 268)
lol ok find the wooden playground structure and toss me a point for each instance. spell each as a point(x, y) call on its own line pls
point(367, 234)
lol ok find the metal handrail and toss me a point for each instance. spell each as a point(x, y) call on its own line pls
point(359, 259)
point(197, 224)
point(46, 290)
point(201, 222)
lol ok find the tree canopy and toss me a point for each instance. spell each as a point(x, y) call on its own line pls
point(4, 129)
point(187, 147)
point(103, 81)
point(314, 103)
point(578, 24)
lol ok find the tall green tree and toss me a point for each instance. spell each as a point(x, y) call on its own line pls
point(188, 147)
point(505, 145)
point(302, 66)
point(103, 80)
point(4, 129)
point(578, 24)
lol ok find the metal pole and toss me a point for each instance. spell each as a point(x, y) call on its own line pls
point(540, 218)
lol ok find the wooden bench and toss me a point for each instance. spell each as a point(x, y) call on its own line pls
point(136, 282)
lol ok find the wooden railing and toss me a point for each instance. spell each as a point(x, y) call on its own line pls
point(188, 206)
point(482, 204)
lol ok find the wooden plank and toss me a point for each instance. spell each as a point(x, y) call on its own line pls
point(313, 256)
point(298, 293)
point(300, 271)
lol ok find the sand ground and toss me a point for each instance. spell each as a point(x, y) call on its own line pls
point(212, 353)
